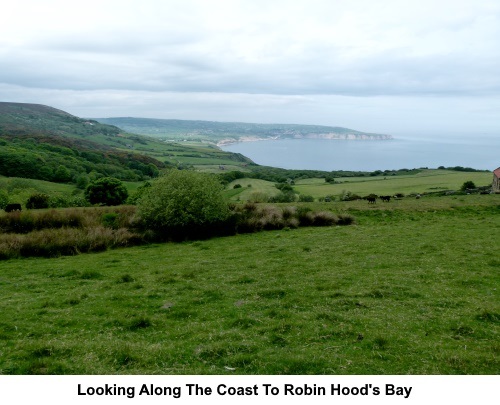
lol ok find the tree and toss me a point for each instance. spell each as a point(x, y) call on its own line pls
point(106, 191)
point(152, 170)
point(82, 181)
point(62, 174)
point(183, 201)
point(468, 185)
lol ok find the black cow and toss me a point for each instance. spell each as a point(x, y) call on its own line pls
point(385, 198)
point(371, 200)
point(13, 207)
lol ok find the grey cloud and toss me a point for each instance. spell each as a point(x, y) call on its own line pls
point(169, 61)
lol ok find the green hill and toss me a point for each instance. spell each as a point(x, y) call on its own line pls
point(228, 132)
point(45, 143)
point(19, 118)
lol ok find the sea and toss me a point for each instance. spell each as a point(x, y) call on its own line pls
point(408, 152)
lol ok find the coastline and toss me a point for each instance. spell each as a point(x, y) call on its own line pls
point(330, 136)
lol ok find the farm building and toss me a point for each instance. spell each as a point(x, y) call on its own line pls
point(496, 180)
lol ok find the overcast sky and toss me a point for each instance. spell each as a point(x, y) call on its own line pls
point(387, 66)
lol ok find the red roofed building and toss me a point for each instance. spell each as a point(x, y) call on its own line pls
point(496, 180)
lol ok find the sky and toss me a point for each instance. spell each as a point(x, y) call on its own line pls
point(401, 67)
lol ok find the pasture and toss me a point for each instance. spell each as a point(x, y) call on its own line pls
point(412, 288)
point(427, 181)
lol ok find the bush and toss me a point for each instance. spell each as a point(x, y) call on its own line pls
point(38, 201)
point(184, 203)
point(283, 197)
point(306, 198)
point(106, 191)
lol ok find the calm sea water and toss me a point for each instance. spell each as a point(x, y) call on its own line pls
point(432, 152)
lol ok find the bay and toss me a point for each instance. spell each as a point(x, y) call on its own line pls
point(478, 152)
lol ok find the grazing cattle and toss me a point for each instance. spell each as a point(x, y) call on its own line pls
point(385, 198)
point(13, 207)
point(371, 200)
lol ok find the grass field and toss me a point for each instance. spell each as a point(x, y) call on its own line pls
point(424, 182)
point(413, 288)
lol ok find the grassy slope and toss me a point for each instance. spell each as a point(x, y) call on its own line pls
point(413, 288)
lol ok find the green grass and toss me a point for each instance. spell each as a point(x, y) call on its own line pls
point(19, 184)
point(425, 182)
point(404, 291)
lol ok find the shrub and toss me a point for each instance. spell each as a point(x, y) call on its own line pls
point(106, 191)
point(284, 187)
point(306, 198)
point(184, 202)
point(67, 201)
point(60, 201)
point(37, 201)
point(283, 197)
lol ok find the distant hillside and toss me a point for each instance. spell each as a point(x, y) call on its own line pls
point(17, 118)
point(41, 142)
point(228, 132)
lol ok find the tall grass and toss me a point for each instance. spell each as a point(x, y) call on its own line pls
point(49, 233)
point(56, 232)
point(253, 217)
point(65, 241)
